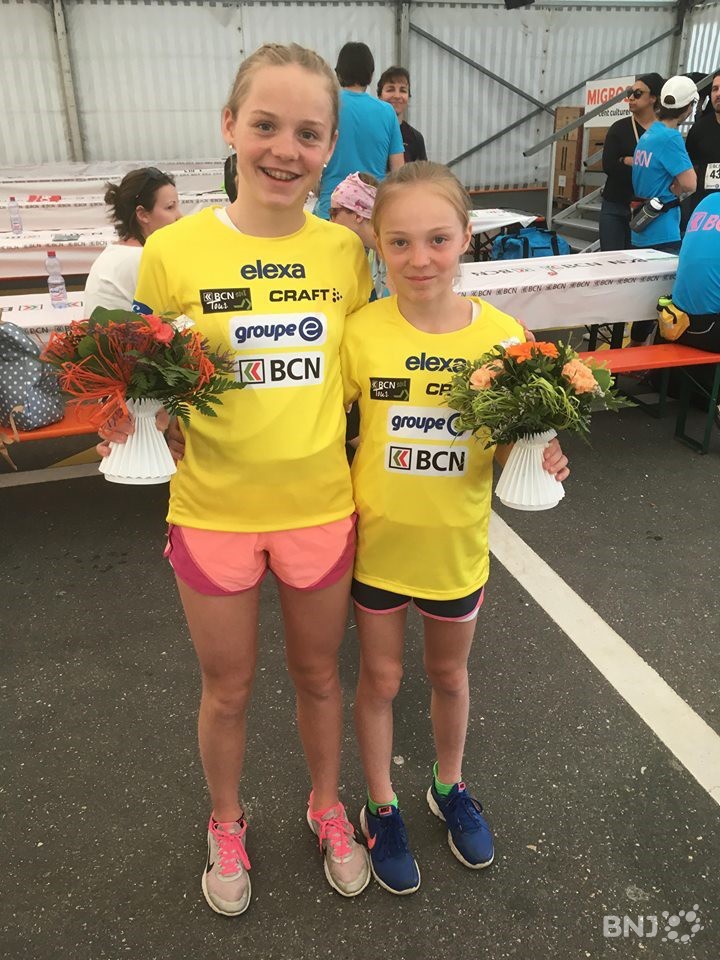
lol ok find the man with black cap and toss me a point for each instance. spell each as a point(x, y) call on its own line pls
point(620, 143)
point(662, 171)
point(703, 146)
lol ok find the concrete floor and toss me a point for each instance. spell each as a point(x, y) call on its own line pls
point(103, 801)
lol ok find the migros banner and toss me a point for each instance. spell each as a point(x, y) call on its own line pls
point(598, 92)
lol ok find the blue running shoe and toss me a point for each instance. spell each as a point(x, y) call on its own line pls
point(391, 859)
point(469, 836)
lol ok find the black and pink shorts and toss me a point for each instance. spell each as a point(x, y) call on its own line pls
point(376, 600)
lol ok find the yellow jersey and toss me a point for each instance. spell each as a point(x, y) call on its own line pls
point(274, 457)
point(422, 488)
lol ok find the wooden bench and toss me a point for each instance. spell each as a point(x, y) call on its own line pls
point(76, 422)
point(666, 357)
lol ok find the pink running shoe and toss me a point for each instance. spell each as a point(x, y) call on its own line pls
point(225, 882)
point(347, 865)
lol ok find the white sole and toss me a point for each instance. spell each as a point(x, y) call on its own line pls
point(397, 893)
point(438, 813)
point(328, 875)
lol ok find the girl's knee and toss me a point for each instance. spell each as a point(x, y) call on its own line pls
point(315, 680)
point(450, 680)
point(227, 701)
point(381, 680)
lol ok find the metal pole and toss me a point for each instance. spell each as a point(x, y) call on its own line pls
point(679, 45)
point(558, 99)
point(402, 44)
point(68, 85)
point(478, 66)
point(577, 122)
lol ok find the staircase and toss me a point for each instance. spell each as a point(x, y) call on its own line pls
point(578, 223)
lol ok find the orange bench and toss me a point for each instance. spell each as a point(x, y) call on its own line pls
point(75, 423)
point(665, 357)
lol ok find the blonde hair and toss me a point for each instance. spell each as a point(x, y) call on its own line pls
point(281, 55)
point(425, 173)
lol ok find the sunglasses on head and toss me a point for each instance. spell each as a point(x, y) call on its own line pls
point(152, 175)
point(635, 94)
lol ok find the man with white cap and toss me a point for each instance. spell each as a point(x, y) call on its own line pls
point(662, 170)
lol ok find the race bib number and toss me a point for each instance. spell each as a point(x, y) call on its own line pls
point(712, 176)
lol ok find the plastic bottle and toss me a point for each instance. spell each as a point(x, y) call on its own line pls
point(56, 281)
point(648, 212)
point(15, 219)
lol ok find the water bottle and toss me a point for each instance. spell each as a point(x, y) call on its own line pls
point(15, 218)
point(648, 212)
point(56, 281)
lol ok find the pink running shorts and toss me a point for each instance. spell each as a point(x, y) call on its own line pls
point(216, 563)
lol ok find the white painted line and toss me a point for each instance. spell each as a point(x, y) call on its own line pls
point(684, 733)
point(24, 477)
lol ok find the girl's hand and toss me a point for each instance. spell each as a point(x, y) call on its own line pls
point(529, 335)
point(555, 461)
point(175, 440)
point(117, 431)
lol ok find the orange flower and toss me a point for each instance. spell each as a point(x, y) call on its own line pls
point(481, 378)
point(580, 376)
point(162, 332)
point(526, 351)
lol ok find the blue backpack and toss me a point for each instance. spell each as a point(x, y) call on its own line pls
point(529, 242)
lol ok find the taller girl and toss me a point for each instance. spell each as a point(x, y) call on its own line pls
point(266, 484)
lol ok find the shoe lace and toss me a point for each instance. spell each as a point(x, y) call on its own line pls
point(392, 839)
point(465, 811)
point(336, 831)
point(231, 849)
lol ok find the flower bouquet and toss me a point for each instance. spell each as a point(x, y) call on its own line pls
point(132, 365)
point(523, 393)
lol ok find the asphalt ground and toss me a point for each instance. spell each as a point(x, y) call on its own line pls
point(103, 802)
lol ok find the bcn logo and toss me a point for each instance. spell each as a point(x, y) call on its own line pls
point(434, 461)
point(418, 423)
point(273, 330)
point(282, 370)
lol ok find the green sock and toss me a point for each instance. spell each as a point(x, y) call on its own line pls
point(374, 807)
point(442, 788)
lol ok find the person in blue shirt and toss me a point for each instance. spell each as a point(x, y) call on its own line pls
point(369, 135)
point(697, 284)
point(663, 169)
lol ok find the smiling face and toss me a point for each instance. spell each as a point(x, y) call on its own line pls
point(282, 133)
point(421, 239)
point(396, 92)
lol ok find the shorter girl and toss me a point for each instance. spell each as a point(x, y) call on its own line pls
point(422, 492)
point(143, 201)
point(351, 205)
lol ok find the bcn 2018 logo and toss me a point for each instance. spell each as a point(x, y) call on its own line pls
point(278, 330)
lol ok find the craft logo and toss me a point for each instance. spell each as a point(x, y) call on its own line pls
point(278, 330)
point(678, 927)
point(389, 388)
point(232, 300)
point(433, 461)
point(282, 370)
point(420, 423)
point(300, 296)
point(432, 364)
point(272, 271)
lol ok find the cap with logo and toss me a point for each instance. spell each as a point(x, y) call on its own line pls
point(678, 92)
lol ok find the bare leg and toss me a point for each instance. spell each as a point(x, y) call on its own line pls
point(314, 627)
point(224, 632)
point(447, 648)
point(381, 652)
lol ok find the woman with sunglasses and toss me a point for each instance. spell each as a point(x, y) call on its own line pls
point(618, 151)
point(143, 201)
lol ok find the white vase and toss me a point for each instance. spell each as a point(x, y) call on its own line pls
point(524, 483)
point(145, 457)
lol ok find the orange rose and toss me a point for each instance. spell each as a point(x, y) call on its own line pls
point(162, 332)
point(481, 378)
point(580, 376)
point(526, 351)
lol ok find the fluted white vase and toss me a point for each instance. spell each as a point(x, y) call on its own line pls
point(524, 484)
point(145, 457)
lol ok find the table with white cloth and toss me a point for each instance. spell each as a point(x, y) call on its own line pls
point(23, 257)
point(34, 313)
point(80, 179)
point(65, 213)
point(551, 293)
point(486, 224)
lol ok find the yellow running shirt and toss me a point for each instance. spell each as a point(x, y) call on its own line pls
point(274, 458)
point(422, 491)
